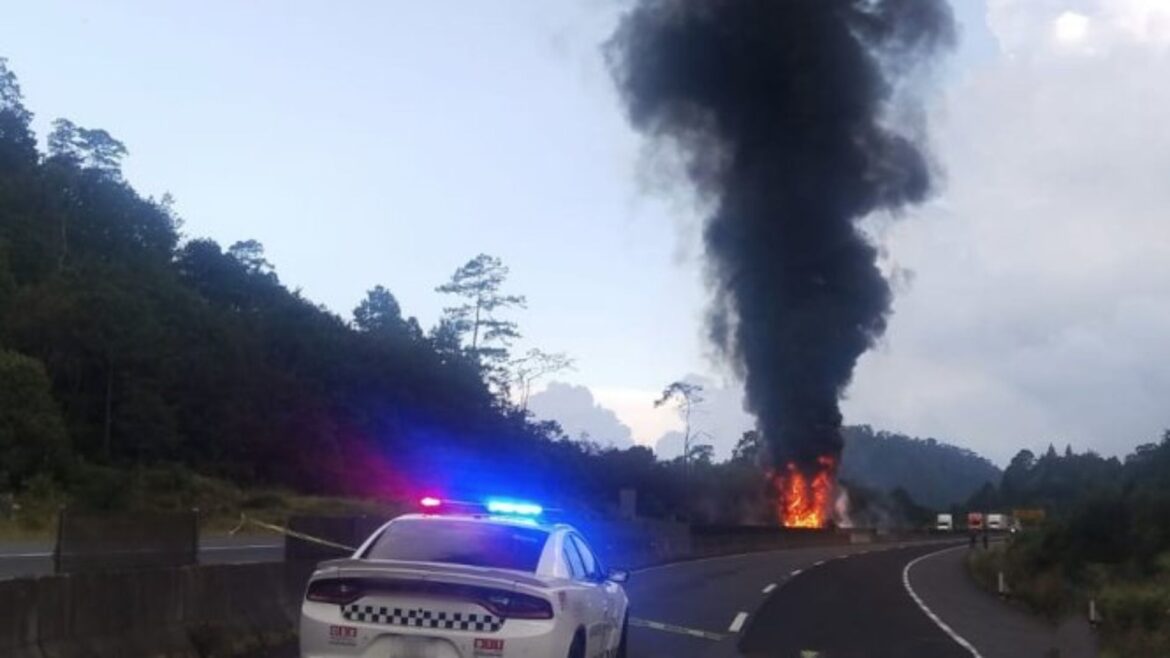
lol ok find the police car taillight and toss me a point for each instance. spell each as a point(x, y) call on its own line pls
point(334, 590)
point(517, 606)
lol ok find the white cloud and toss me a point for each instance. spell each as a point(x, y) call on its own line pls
point(635, 407)
point(1026, 27)
point(579, 415)
point(1071, 27)
point(720, 420)
point(669, 445)
point(1041, 297)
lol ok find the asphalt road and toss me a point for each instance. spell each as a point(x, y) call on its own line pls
point(850, 608)
point(773, 603)
point(35, 558)
point(880, 601)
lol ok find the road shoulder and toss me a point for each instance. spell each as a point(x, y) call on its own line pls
point(995, 628)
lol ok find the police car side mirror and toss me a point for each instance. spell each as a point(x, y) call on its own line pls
point(618, 576)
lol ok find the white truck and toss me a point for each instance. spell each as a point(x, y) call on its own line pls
point(945, 523)
point(997, 522)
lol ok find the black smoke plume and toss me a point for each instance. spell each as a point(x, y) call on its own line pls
point(784, 112)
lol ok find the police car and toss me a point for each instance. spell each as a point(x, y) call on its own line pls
point(493, 581)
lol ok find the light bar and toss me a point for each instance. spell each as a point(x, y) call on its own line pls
point(513, 508)
point(430, 502)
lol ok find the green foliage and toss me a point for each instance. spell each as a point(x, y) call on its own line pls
point(1107, 538)
point(18, 147)
point(934, 473)
point(1054, 481)
point(159, 352)
point(379, 313)
point(478, 284)
point(92, 149)
point(1136, 606)
point(32, 433)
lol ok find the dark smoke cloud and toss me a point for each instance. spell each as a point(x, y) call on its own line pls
point(780, 109)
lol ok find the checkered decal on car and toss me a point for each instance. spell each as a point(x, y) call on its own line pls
point(458, 621)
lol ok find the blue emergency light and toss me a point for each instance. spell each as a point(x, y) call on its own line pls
point(513, 507)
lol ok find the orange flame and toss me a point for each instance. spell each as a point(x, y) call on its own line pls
point(804, 503)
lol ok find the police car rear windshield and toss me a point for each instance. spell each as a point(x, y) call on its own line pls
point(460, 542)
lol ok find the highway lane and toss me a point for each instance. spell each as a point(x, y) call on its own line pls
point(35, 558)
point(741, 598)
point(856, 607)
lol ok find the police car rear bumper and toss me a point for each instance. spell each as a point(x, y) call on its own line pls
point(325, 633)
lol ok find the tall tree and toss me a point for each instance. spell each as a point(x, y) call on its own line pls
point(250, 254)
point(687, 397)
point(18, 146)
point(534, 365)
point(92, 149)
point(478, 285)
point(378, 313)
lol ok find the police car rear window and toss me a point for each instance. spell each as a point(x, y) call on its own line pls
point(460, 542)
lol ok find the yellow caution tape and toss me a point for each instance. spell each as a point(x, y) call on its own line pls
point(244, 519)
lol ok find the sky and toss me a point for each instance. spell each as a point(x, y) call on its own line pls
point(369, 143)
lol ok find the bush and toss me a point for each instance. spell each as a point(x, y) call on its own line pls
point(102, 488)
point(984, 567)
point(1134, 643)
point(264, 500)
point(1141, 606)
point(1034, 579)
point(33, 439)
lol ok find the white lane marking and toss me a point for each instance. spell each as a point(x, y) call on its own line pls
point(818, 563)
point(959, 639)
point(24, 555)
point(242, 547)
point(737, 623)
point(671, 628)
point(795, 572)
point(769, 588)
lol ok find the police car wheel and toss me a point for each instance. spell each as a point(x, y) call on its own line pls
point(578, 648)
point(621, 650)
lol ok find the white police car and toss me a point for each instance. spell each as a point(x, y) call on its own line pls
point(493, 583)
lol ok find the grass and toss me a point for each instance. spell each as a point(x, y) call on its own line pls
point(1045, 592)
point(1134, 606)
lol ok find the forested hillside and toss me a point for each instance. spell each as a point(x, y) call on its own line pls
point(157, 345)
point(934, 473)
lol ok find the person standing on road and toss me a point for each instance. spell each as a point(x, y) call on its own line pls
point(974, 536)
point(985, 534)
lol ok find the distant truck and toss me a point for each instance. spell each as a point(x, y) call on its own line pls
point(997, 522)
point(945, 523)
point(974, 521)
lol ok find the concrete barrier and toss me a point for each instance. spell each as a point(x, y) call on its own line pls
point(18, 619)
point(188, 612)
